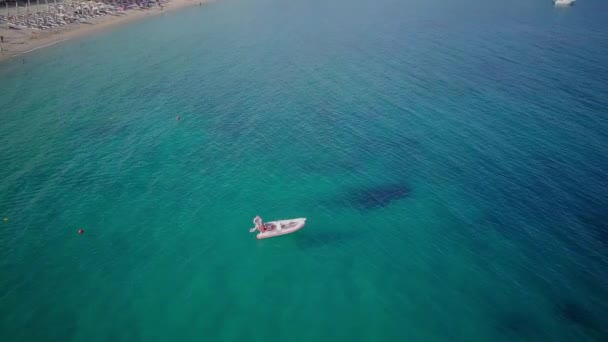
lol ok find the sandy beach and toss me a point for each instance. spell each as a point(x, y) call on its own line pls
point(24, 40)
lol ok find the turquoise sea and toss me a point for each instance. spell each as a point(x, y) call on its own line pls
point(451, 158)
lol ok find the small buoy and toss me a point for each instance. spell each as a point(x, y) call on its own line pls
point(80, 231)
point(178, 118)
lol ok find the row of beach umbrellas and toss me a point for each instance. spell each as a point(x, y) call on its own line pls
point(53, 14)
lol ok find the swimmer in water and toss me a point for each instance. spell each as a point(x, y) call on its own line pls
point(178, 118)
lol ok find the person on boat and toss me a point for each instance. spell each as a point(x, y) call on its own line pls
point(259, 224)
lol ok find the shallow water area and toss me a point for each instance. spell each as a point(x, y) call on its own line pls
point(450, 159)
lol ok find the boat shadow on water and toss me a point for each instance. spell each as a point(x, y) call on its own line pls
point(323, 239)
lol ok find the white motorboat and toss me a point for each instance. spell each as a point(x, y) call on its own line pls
point(564, 2)
point(276, 228)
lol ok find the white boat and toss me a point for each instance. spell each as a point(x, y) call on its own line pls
point(564, 2)
point(276, 228)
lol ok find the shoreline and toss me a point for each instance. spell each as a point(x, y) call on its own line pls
point(23, 41)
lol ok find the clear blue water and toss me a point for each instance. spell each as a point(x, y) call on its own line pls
point(451, 159)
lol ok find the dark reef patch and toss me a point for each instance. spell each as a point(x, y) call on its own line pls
point(378, 197)
point(517, 324)
point(581, 316)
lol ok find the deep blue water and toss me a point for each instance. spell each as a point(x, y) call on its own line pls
point(451, 159)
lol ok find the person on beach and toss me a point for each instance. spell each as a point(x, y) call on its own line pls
point(1, 39)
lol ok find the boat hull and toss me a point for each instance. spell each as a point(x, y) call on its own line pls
point(283, 227)
point(564, 3)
